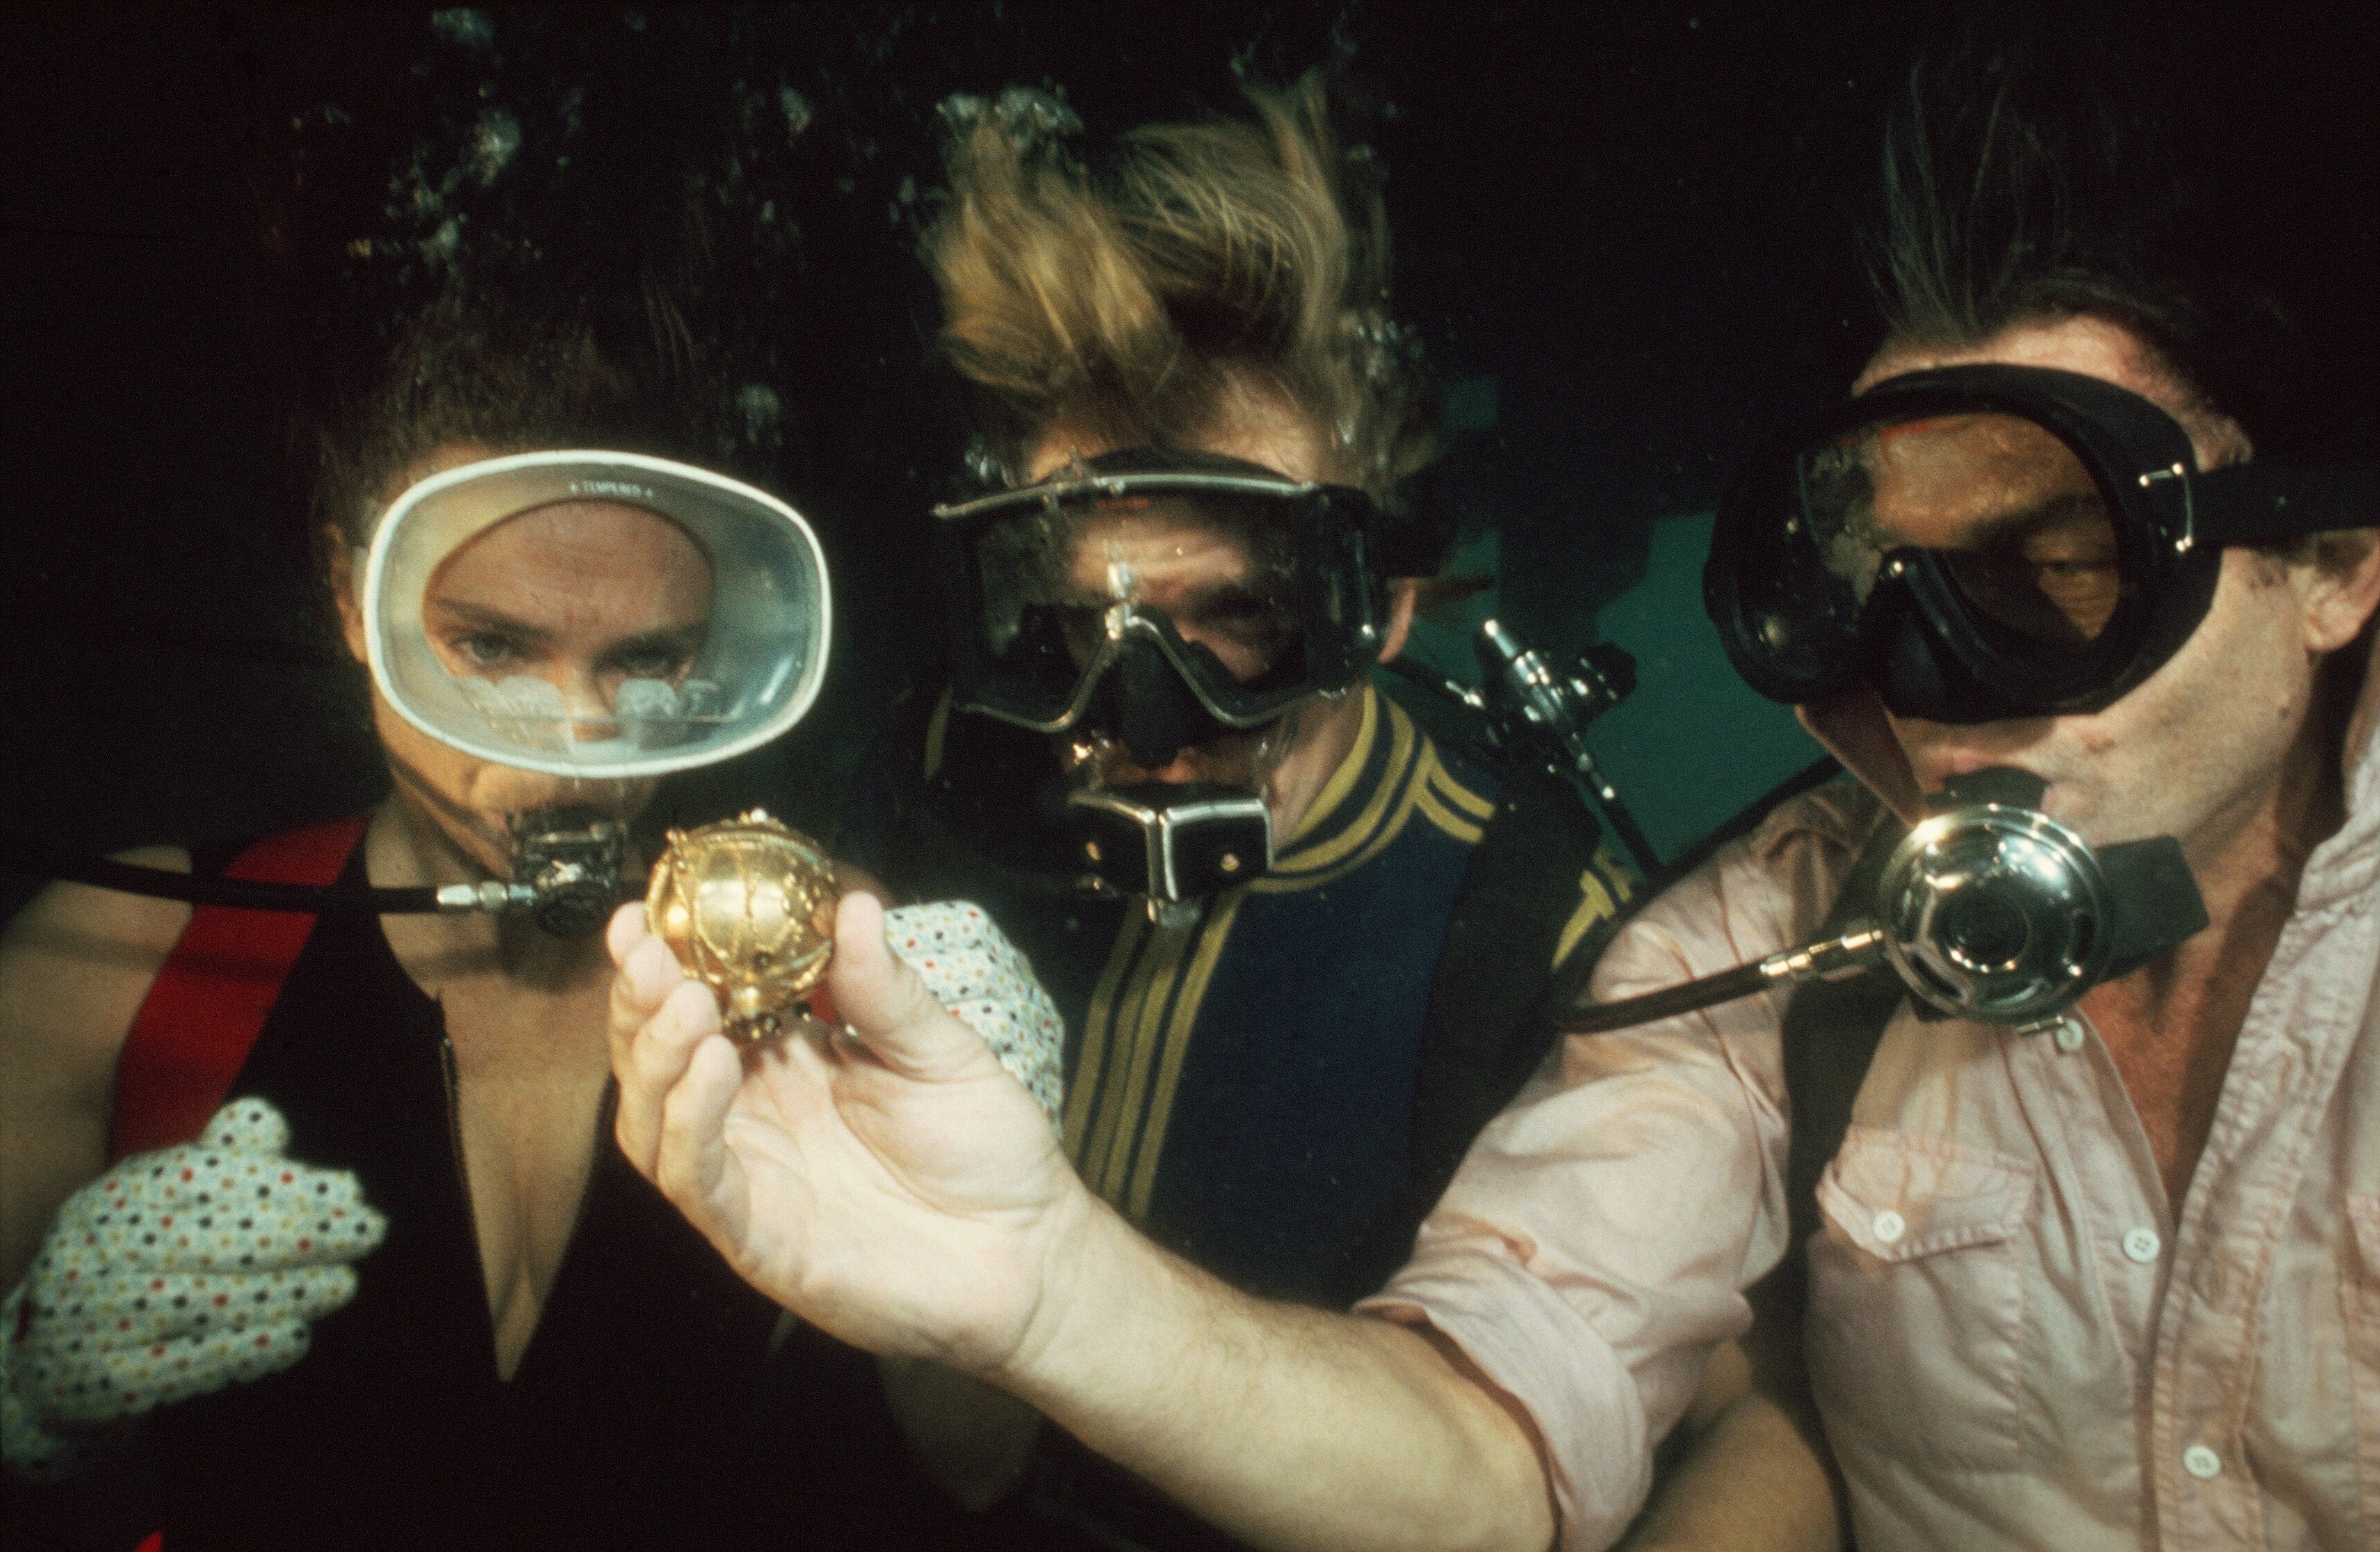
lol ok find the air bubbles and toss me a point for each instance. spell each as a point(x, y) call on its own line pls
point(441, 246)
point(763, 413)
point(494, 141)
point(464, 29)
point(1031, 120)
point(986, 467)
point(797, 110)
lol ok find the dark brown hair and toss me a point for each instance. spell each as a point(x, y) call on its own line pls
point(480, 365)
point(2029, 178)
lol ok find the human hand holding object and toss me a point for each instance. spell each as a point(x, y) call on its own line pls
point(176, 1273)
point(890, 1181)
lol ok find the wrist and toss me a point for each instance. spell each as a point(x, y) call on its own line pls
point(1084, 1270)
point(1104, 1353)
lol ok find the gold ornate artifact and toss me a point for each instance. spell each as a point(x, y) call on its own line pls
point(747, 905)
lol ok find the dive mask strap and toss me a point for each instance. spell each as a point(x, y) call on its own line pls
point(2264, 501)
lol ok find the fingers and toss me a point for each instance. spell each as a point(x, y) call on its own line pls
point(973, 970)
point(126, 1381)
point(653, 1057)
point(627, 928)
point(648, 973)
point(250, 1125)
point(691, 1161)
point(140, 1312)
point(886, 1001)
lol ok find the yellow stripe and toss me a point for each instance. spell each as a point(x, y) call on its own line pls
point(1126, 1110)
point(1334, 792)
point(1408, 794)
point(1323, 854)
point(1177, 1042)
point(1108, 1104)
point(1479, 807)
point(1596, 905)
point(937, 727)
point(1437, 813)
point(1619, 874)
point(1095, 1026)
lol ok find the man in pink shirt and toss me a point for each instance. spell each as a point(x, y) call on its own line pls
point(2111, 1283)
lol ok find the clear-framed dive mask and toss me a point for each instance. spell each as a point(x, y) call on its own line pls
point(595, 614)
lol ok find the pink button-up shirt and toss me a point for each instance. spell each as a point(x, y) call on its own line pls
point(2013, 1339)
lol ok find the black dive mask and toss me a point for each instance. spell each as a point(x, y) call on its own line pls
point(1988, 542)
point(1990, 910)
point(1163, 597)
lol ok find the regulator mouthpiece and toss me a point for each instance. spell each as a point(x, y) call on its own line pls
point(1990, 910)
point(1172, 844)
point(569, 862)
point(1993, 911)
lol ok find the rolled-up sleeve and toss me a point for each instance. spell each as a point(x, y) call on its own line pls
point(1593, 1248)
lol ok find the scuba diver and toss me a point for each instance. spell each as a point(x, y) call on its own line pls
point(1300, 946)
point(2100, 1278)
point(326, 1198)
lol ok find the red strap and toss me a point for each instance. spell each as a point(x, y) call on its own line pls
point(208, 1005)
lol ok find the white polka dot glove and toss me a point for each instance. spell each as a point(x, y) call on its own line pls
point(974, 971)
point(176, 1273)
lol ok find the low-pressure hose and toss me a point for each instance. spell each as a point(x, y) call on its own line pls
point(158, 883)
point(1855, 953)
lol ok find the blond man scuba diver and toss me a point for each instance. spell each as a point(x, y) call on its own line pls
point(1296, 939)
point(2091, 1259)
point(322, 1200)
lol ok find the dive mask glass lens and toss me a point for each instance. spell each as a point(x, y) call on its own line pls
point(595, 614)
point(1250, 588)
point(1990, 541)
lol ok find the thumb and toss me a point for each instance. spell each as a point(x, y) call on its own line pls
point(885, 1002)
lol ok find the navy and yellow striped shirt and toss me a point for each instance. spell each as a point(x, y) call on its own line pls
point(1243, 1087)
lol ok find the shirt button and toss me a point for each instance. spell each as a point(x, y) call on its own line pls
point(2201, 1461)
point(2142, 1245)
point(2069, 1036)
point(1889, 1226)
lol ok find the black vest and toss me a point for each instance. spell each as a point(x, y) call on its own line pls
point(631, 1419)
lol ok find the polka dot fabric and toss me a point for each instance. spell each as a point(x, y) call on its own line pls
point(974, 971)
point(183, 1271)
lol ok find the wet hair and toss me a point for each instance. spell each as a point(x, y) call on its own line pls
point(1138, 300)
point(2031, 177)
point(483, 365)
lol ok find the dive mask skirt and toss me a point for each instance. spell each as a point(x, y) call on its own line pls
point(1991, 542)
point(514, 611)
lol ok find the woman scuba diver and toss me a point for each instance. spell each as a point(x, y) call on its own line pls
point(329, 1202)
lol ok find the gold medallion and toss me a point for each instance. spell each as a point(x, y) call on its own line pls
point(747, 905)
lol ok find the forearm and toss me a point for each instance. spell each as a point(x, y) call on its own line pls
point(1755, 1473)
point(1750, 1481)
point(1288, 1427)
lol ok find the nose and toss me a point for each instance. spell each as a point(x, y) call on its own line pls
point(590, 712)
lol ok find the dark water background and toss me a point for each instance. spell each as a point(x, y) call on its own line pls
point(1623, 233)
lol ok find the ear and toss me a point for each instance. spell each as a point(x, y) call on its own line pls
point(2341, 587)
point(346, 579)
point(1401, 591)
point(1854, 729)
